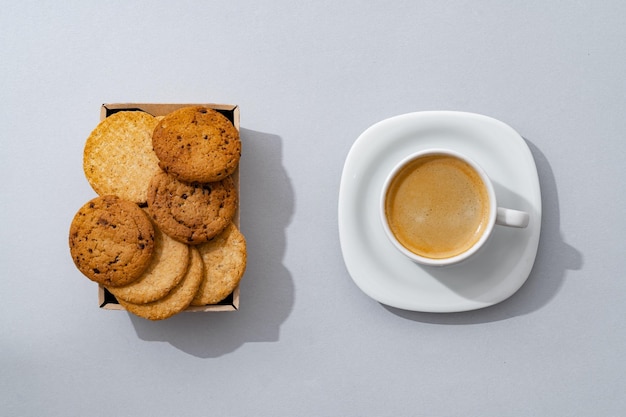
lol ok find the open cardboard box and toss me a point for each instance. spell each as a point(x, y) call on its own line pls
point(106, 300)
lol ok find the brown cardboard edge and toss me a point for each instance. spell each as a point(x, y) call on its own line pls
point(161, 109)
point(232, 306)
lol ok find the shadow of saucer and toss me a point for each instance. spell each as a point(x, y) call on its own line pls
point(554, 258)
point(267, 288)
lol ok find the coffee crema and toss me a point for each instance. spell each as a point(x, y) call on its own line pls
point(437, 206)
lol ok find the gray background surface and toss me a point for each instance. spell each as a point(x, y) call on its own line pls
point(310, 77)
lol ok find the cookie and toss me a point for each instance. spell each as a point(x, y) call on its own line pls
point(111, 240)
point(169, 265)
point(197, 144)
point(118, 158)
point(224, 259)
point(191, 213)
point(177, 299)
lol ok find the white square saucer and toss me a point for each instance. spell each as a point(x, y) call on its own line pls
point(383, 273)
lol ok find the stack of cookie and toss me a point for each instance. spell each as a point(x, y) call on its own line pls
point(160, 235)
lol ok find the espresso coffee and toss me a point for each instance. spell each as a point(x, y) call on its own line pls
point(437, 206)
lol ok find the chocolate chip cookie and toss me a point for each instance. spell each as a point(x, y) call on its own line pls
point(191, 213)
point(111, 240)
point(197, 144)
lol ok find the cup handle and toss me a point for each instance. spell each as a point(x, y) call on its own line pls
point(512, 218)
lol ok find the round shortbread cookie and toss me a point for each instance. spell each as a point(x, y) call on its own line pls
point(111, 240)
point(177, 299)
point(169, 264)
point(197, 144)
point(191, 213)
point(224, 259)
point(118, 158)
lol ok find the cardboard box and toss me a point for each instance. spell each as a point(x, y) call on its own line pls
point(106, 300)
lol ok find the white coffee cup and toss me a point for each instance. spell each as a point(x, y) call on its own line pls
point(438, 207)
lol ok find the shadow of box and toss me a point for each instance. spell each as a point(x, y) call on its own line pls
point(106, 300)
